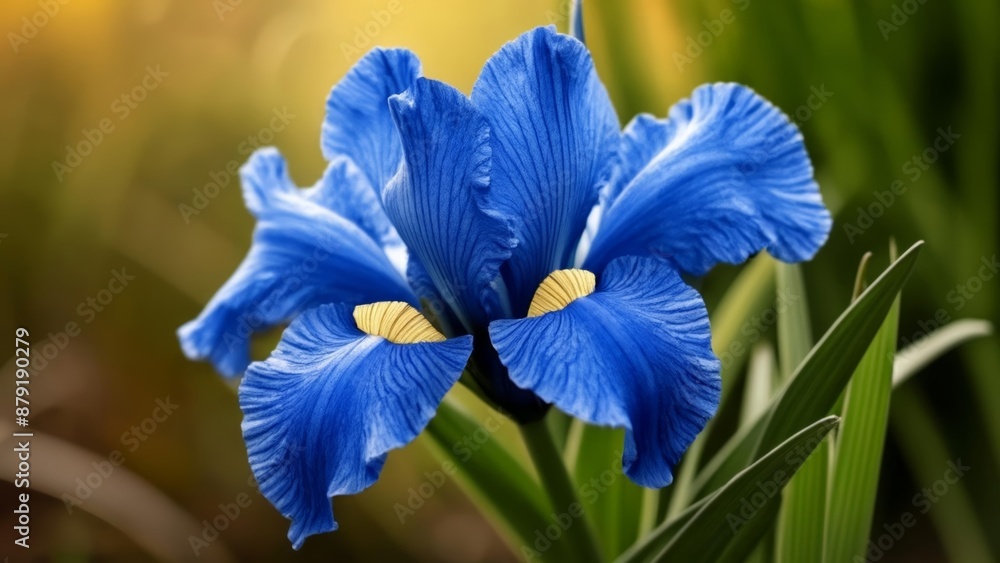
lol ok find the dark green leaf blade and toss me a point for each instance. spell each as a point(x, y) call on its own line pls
point(650, 547)
point(822, 376)
point(861, 439)
point(510, 495)
point(745, 497)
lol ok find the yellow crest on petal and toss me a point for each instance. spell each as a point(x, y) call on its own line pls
point(561, 288)
point(397, 322)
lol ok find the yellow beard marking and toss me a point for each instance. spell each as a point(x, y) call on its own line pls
point(397, 322)
point(559, 289)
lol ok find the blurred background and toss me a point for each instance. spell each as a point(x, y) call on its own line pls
point(115, 114)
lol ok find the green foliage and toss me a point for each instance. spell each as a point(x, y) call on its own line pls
point(706, 533)
point(497, 481)
point(858, 454)
point(776, 490)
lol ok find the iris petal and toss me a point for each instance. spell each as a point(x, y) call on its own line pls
point(345, 190)
point(322, 412)
point(435, 201)
point(636, 353)
point(358, 124)
point(725, 176)
point(554, 134)
point(302, 255)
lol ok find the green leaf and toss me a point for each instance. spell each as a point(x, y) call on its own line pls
point(746, 547)
point(559, 424)
point(819, 380)
point(493, 478)
point(679, 495)
point(736, 454)
point(859, 278)
point(577, 537)
point(822, 376)
point(918, 355)
point(800, 530)
point(724, 516)
point(749, 293)
point(612, 509)
point(759, 388)
point(794, 330)
point(800, 524)
point(859, 446)
point(651, 544)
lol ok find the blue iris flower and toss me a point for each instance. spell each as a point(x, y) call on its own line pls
point(480, 211)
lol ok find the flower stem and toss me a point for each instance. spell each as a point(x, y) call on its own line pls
point(556, 480)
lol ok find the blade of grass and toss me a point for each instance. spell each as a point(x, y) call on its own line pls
point(577, 536)
point(613, 510)
point(736, 454)
point(860, 283)
point(800, 524)
point(511, 497)
point(761, 375)
point(749, 293)
point(859, 446)
point(747, 546)
point(918, 355)
point(800, 531)
point(794, 330)
point(820, 378)
point(727, 513)
point(681, 492)
point(651, 544)
point(859, 278)
point(759, 387)
point(559, 425)
point(826, 370)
